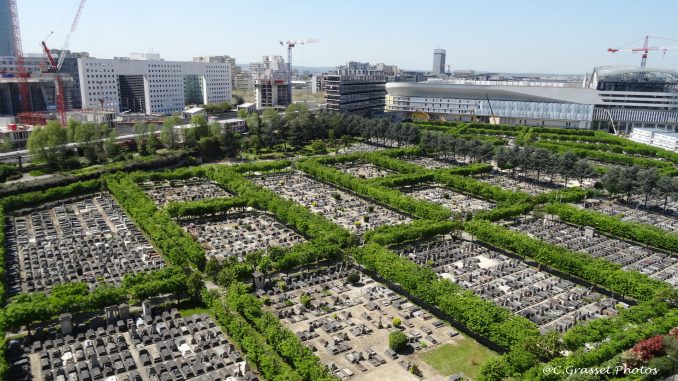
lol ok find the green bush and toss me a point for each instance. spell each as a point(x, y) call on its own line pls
point(397, 341)
point(643, 233)
point(594, 270)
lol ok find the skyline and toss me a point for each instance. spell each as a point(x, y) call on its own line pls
point(518, 37)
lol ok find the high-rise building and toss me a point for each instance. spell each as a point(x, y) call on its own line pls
point(439, 61)
point(151, 86)
point(357, 87)
point(271, 87)
point(6, 35)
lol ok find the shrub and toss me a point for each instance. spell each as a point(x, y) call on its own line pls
point(353, 277)
point(396, 322)
point(397, 341)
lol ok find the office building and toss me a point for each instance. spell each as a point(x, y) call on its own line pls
point(609, 97)
point(656, 137)
point(357, 88)
point(6, 33)
point(439, 61)
point(151, 86)
point(271, 86)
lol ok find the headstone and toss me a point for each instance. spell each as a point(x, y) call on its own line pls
point(588, 232)
point(258, 277)
point(66, 321)
point(111, 313)
point(123, 311)
point(146, 307)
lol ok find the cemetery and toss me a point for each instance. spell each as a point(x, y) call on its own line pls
point(654, 264)
point(237, 234)
point(123, 346)
point(552, 303)
point(454, 201)
point(364, 171)
point(165, 192)
point(631, 214)
point(429, 163)
point(347, 324)
point(349, 211)
point(360, 147)
point(530, 187)
point(88, 239)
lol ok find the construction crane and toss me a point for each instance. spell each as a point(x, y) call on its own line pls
point(290, 45)
point(645, 49)
point(22, 76)
point(55, 66)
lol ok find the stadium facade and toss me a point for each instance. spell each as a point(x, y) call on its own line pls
point(609, 96)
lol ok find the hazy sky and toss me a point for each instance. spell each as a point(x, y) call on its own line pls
point(567, 36)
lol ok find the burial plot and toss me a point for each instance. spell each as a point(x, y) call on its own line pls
point(166, 346)
point(553, 303)
point(349, 211)
point(89, 239)
point(631, 257)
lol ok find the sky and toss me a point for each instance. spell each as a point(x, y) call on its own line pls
point(521, 36)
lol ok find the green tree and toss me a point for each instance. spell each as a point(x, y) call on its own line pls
point(87, 136)
point(397, 341)
point(168, 136)
point(111, 146)
point(254, 125)
point(272, 120)
point(396, 322)
point(200, 126)
point(212, 268)
point(47, 143)
point(209, 147)
point(141, 138)
point(194, 285)
point(353, 277)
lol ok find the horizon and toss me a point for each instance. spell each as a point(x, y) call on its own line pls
point(556, 37)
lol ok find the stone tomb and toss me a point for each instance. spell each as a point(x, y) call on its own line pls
point(166, 347)
point(349, 211)
point(89, 239)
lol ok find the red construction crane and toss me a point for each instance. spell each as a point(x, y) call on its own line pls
point(55, 67)
point(290, 45)
point(645, 49)
point(22, 76)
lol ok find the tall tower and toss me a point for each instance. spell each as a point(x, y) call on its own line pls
point(439, 61)
point(6, 35)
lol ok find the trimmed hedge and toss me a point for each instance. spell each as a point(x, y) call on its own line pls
point(285, 343)
point(176, 245)
point(33, 199)
point(643, 233)
point(203, 207)
point(269, 363)
point(593, 270)
point(385, 195)
point(481, 316)
point(419, 230)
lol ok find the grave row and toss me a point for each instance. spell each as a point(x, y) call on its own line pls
point(90, 240)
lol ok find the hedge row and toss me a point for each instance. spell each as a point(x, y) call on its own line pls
point(593, 270)
point(615, 343)
point(481, 316)
point(385, 195)
point(285, 343)
point(479, 188)
point(259, 352)
point(33, 199)
point(609, 332)
point(204, 207)
point(643, 233)
point(176, 245)
point(419, 230)
point(503, 212)
point(607, 157)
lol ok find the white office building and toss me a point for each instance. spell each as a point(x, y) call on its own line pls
point(151, 86)
point(622, 98)
point(656, 137)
